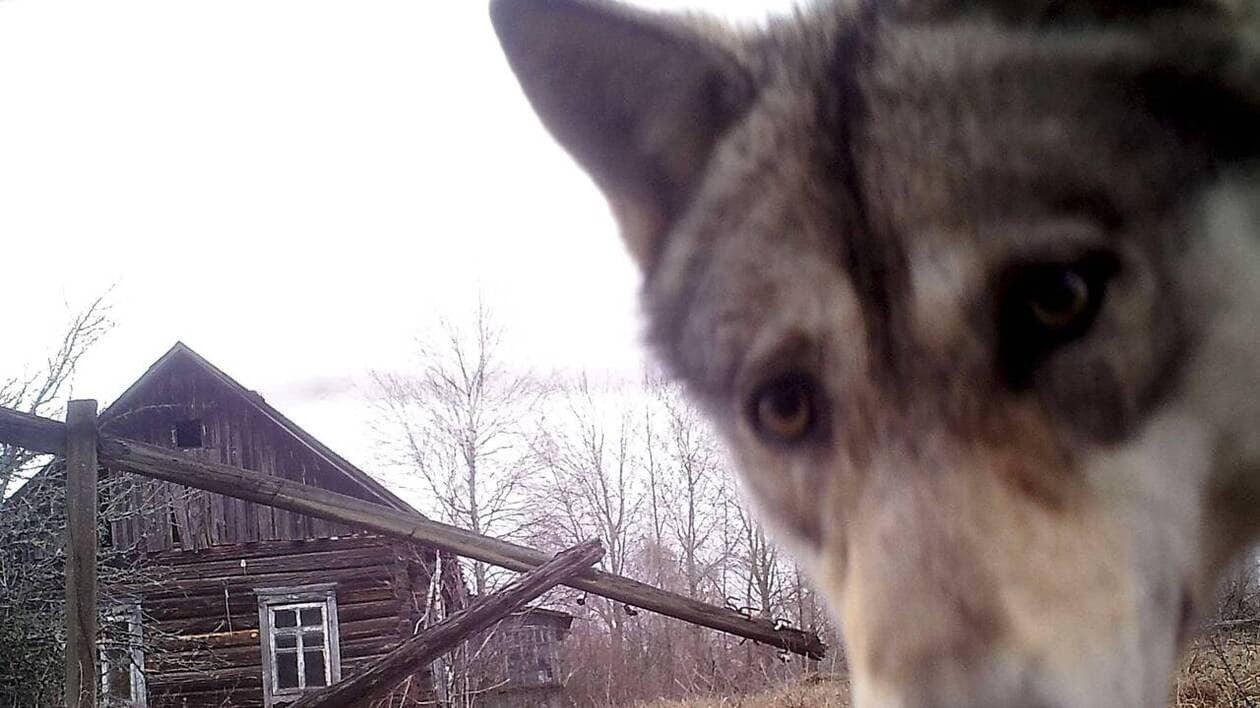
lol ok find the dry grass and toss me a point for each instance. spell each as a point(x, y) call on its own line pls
point(1223, 672)
point(808, 694)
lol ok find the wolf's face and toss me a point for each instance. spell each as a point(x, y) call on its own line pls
point(972, 291)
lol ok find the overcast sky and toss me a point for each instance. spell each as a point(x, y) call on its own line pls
point(294, 188)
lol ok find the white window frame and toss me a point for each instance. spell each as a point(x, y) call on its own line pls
point(270, 600)
point(130, 614)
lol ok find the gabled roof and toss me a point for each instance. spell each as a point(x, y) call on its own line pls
point(182, 352)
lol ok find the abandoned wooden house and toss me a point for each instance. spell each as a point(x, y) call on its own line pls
point(248, 605)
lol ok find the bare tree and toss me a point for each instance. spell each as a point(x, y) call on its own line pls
point(43, 389)
point(589, 485)
point(694, 480)
point(458, 424)
point(763, 591)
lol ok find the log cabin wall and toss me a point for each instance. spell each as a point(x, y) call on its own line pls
point(204, 647)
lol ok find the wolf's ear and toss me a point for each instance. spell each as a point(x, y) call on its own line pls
point(637, 99)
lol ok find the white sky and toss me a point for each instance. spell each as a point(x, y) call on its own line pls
point(293, 188)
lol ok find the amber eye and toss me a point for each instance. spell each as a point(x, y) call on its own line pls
point(785, 409)
point(1043, 306)
point(1058, 298)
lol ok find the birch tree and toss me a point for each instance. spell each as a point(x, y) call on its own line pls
point(459, 424)
point(589, 486)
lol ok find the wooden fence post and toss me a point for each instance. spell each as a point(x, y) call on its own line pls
point(81, 436)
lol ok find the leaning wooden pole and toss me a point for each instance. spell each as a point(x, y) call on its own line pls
point(420, 650)
point(45, 435)
point(81, 554)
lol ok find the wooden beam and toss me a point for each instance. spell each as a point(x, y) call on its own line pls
point(32, 432)
point(80, 445)
point(169, 465)
point(423, 648)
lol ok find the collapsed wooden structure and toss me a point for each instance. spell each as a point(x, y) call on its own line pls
point(85, 447)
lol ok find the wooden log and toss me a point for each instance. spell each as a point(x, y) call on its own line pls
point(81, 554)
point(169, 465)
point(267, 549)
point(32, 432)
point(417, 652)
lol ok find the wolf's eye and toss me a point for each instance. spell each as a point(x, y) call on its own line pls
point(1046, 305)
point(785, 409)
point(1058, 297)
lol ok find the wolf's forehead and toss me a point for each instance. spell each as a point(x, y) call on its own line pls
point(906, 141)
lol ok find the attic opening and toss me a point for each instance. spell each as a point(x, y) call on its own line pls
point(189, 433)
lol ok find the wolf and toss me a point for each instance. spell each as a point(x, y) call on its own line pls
point(971, 288)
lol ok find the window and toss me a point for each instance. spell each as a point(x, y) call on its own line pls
point(188, 433)
point(121, 649)
point(300, 646)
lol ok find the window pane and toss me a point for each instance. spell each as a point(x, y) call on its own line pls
point(118, 678)
point(286, 641)
point(312, 617)
point(286, 670)
point(313, 639)
point(285, 618)
point(314, 668)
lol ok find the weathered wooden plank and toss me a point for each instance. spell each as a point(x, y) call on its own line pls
point(208, 640)
point(407, 610)
point(352, 557)
point(81, 486)
point(162, 494)
point(218, 517)
point(365, 621)
point(366, 635)
point(239, 529)
point(366, 605)
point(241, 694)
point(137, 517)
point(120, 530)
point(179, 503)
point(354, 654)
point(195, 534)
point(249, 460)
point(268, 490)
point(372, 628)
point(437, 640)
point(151, 517)
point(187, 595)
point(207, 602)
point(32, 432)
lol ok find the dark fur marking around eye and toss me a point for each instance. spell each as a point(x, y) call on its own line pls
point(1043, 306)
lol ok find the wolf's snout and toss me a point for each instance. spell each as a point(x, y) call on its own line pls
point(982, 686)
point(961, 589)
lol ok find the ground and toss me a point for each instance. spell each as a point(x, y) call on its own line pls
point(1223, 672)
point(807, 694)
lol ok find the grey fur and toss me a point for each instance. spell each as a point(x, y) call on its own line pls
point(861, 189)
